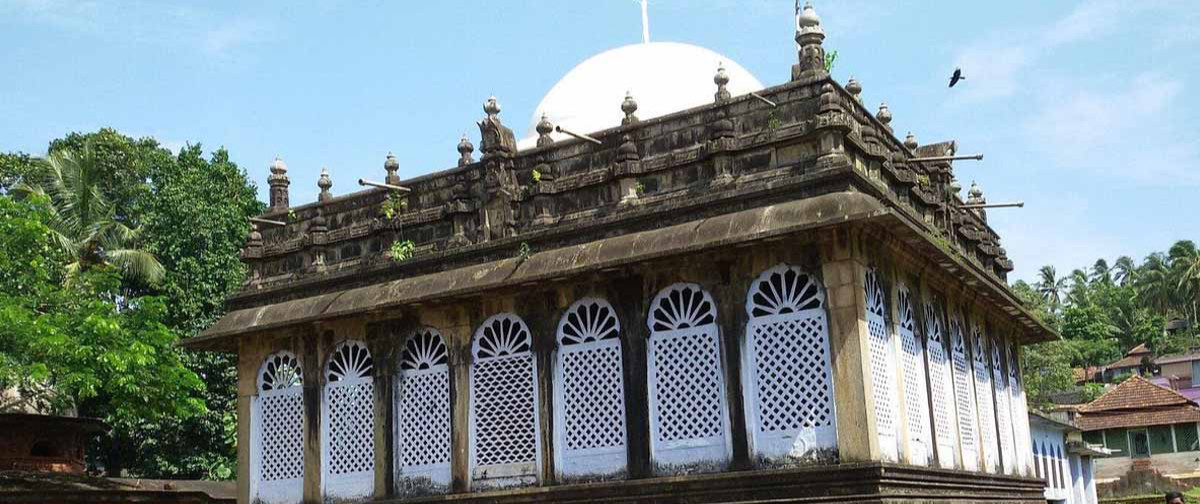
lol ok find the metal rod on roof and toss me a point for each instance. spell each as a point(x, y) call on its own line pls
point(1016, 204)
point(580, 136)
point(268, 222)
point(973, 157)
point(763, 99)
point(365, 182)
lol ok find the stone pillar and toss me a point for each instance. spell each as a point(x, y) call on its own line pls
point(247, 386)
point(843, 268)
point(278, 182)
point(312, 360)
point(458, 343)
point(385, 339)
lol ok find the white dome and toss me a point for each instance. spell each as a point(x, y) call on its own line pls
point(663, 77)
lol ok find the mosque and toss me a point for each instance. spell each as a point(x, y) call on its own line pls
point(683, 286)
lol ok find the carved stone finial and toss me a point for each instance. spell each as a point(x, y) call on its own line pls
point(954, 187)
point(910, 141)
point(627, 151)
point(629, 106)
point(324, 183)
point(721, 79)
point(319, 223)
point(465, 148)
point(391, 166)
point(491, 107)
point(975, 194)
point(544, 128)
point(254, 239)
point(828, 100)
point(884, 115)
point(809, 36)
point(278, 182)
point(495, 137)
point(854, 88)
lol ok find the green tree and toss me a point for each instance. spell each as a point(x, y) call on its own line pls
point(1154, 285)
point(1047, 370)
point(1091, 333)
point(1051, 286)
point(1123, 270)
point(15, 167)
point(83, 222)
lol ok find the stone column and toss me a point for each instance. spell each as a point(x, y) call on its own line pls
point(843, 268)
point(385, 339)
point(312, 361)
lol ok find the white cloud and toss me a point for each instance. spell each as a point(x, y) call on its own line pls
point(232, 35)
point(1123, 132)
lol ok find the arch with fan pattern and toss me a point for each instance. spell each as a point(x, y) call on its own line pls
point(422, 404)
point(504, 428)
point(787, 370)
point(883, 366)
point(348, 423)
point(589, 393)
point(912, 363)
point(941, 385)
point(277, 430)
point(689, 417)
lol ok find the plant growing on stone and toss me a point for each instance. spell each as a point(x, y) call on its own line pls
point(639, 188)
point(524, 251)
point(537, 176)
point(830, 59)
point(394, 205)
point(402, 250)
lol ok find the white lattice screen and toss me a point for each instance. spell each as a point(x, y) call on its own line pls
point(348, 423)
point(789, 384)
point(916, 397)
point(689, 422)
point(1004, 418)
point(504, 404)
point(422, 429)
point(941, 385)
point(589, 392)
point(277, 441)
point(964, 395)
point(984, 400)
point(883, 367)
point(1020, 410)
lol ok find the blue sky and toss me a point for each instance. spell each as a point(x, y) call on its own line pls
point(1085, 110)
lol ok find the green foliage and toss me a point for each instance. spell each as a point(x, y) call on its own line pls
point(524, 251)
point(394, 205)
point(173, 413)
point(537, 176)
point(830, 59)
point(402, 250)
point(1047, 368)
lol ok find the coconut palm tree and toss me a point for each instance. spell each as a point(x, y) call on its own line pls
point(1123, 270)
point(1185, 265)
point(1080, 293)
point(83, 221)
point(1155, 288)
point(1051, 286)
point(1101, 273)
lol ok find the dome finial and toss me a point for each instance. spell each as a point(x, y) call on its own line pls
point(629, 106)
point(464, 151)
point(544, 128)
point(809, 36)
point(884, 115)
point(910, 141)
point(278, 181)
point(391, 166)
point(854, 88)
point(721, 79)
point(324, 183)
point(492, 106)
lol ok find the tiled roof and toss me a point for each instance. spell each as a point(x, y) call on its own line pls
point(1136, 393)
point(1132, 358)
point(1172, 359)
point(1164, 415)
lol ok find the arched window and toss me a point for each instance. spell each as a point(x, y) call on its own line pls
point(277, 431)
point(984, 398)
point(916, 396)
point(348, 423)
point(964, 394)
point(788, 381)
point(589, 392)
point(504, 404)
point(1020, 410)
point(689, 419)
point(883, 366)
point(423, 415)
point(1037, 460)
point(1003, 413)
point(941, 386)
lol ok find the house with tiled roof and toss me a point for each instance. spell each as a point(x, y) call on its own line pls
point(1147, 425)
point(1138, 361)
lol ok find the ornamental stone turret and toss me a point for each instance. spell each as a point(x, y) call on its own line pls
point(809, 36)
point(629, 106)
point(855, 89)
point(885, 116)
point(721, 79)
point(324, 183)
point(910, 141)
point(544, 128)
point(391, 166)
point(465, 148)
point(278, 182)
point(495, 137)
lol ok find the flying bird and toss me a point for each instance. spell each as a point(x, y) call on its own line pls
point(957, 77)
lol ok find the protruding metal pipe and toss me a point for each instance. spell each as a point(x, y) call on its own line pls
point(972, 157)
point(763, 99)
point(268, 222)
point(972, 206)
point(365, 182)
point(580, 136)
